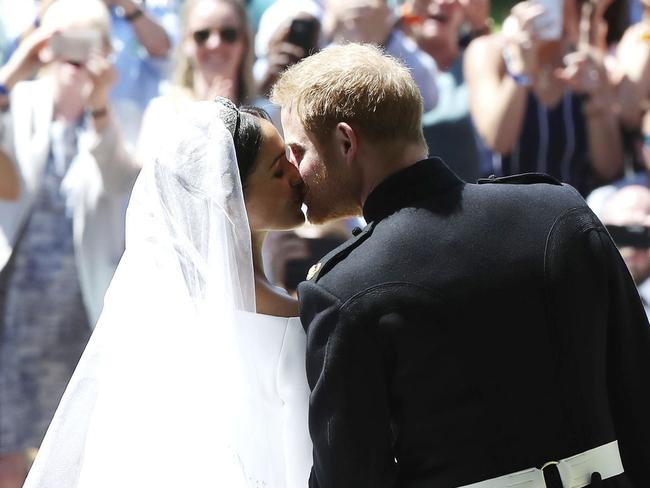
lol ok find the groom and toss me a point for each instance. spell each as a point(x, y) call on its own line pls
point(480, 335)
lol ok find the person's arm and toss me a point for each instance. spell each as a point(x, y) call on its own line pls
point(627, 362)
point(22, 64)
point(349, 418)
point(633, 66)
point(25, 61)
point(601, 325)
point(281, 54)
point(603, 131)
point(116, 164)
point(149, 32)
point(585, 73)
point(9, 183)
point(497, 102)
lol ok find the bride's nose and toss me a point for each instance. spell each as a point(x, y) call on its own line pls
point(293, 175)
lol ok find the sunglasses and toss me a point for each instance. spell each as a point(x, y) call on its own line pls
point(227, 34)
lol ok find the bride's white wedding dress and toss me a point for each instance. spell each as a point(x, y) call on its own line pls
point(277, 354)
point(182, 384)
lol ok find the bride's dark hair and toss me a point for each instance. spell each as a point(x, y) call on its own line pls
point(249, 139)
point(243, 124)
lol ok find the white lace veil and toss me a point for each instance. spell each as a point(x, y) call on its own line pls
point(154, 399)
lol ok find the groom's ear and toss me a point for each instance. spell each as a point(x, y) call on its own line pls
point(346, 141)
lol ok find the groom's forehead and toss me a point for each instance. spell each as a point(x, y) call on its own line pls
point(296, 135)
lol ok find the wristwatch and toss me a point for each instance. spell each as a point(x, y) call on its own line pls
point(133, 15)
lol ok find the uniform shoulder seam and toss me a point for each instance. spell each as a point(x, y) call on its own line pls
point(388, 284)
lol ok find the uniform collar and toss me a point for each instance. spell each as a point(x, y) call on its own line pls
point(423, 179)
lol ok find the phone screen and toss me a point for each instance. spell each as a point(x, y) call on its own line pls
point(303, 33)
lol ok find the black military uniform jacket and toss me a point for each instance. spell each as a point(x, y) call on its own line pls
point(471, 331)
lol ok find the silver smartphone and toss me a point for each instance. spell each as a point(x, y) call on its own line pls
point(75, 45)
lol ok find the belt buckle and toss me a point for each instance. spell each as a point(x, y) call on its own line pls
point(548, 465)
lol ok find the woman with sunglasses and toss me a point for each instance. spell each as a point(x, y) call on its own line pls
point(214, 57)
point(195, 374)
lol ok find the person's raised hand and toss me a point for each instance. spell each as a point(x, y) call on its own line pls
point(281, 54)
point(477, 14)
point(27, 58)
point(520, 40)
point(584, 72)
point(364, 21)
point(103, 76)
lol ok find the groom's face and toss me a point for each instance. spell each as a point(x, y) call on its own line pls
point(327, 181)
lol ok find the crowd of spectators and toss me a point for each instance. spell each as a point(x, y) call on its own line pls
point(89, 87)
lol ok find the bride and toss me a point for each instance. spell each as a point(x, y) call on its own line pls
point(194, 375)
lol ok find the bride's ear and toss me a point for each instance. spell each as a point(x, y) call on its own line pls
point(346, 141)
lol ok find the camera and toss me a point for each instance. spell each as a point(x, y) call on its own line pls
point(636, 236)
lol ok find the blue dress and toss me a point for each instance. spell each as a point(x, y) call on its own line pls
point(43, 323)
point(553, 140)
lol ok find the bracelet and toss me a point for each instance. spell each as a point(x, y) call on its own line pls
point(133, 15)
point(520, 79)
point(99, 113)
point(4, 91)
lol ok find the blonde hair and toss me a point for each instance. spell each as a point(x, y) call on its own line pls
point(183, 75)
point(94, 14)
point(354, 83)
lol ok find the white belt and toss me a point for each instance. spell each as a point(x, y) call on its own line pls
point(575, 471)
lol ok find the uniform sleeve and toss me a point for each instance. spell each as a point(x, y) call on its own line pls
point(349, 417)
point(628, 364)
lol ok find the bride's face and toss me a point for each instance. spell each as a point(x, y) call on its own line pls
point(274, 189)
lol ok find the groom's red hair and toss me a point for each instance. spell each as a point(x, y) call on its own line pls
point(354, 83)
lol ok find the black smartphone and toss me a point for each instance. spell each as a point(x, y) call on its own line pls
point(304, 33)
point(630, 236)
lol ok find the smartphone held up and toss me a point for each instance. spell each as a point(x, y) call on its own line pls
point(304, 33)
point(548, 25)
point(75, 45)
